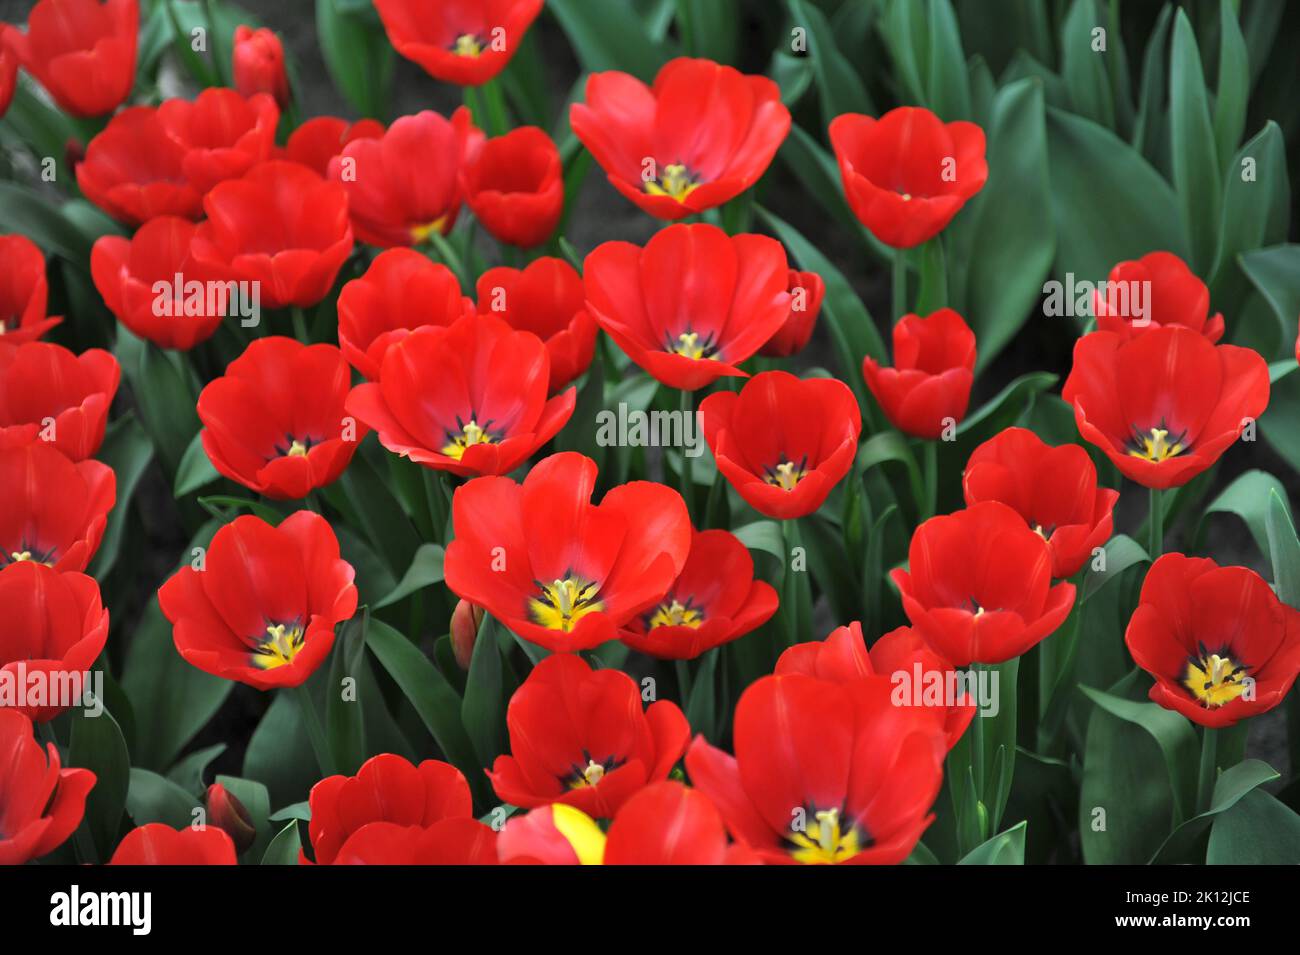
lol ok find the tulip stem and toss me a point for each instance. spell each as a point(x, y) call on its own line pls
point(1156, 525)
point(300, 325)
point(684, 682)
point(931, 475)
point(688, 467)
point(315, 732)
point(900, 284)
point(1209, 769)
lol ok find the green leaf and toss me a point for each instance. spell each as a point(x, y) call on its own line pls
point(1083, 68)
point(948, 90)
point(1151, 99)
point(165, 395)
point(1234, 83)
point(97, 745)
point(154, 798)
point(358, 56)
point(1258, 830)
point(26, 212)
point(483, 710)
point(709, 28)
point(1122, 552)
point(256, 799)
point(189, 771)
point(1229, 789)
point(1283, 550)
point(701, 708)
point(609, 36)
point(839, 85)
point(195, 470)
point(344, 715)
point(297, 810)
point(284, 848)
point(425, 571)
point(764, 536)
point(1006, 848)
point(1248, 498)
point(1196, 168)
point(127, 450)
point(279, 753)
point(1275, 272)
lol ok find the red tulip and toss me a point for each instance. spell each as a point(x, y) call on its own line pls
point(578, 736)
point(463, 43)
point(128, 273)
point(693, 304)
point(47, 393)
point(135, 170)
point(469, 399)
point(275, 421)
point(264, 607)
point(556, 569)
point(1053, 488)
point(401, 290)
point(547, 299)
point(783, 442)
point(702, 135)
point(159, 844)
point(806, 292)
point(257, 63)
point(908, 173)
point(224, 134)
point(713, 601)
point(55, 624)
point(54, 510)
point(824, 772)
point(8, 72)
point(449, 842)
point(1163, 406)
point(978, 587)
point(515, 187)
point(556, 834)
point(41, 804)
point(1173, 295)
point(386, 789)
point(1217, 640)
point(843, 658)
point(24, 292)
point(230, 816)
point(466, 620)
point(405, 185)
point(321, 138)
point(934, 368)
point(81, 51)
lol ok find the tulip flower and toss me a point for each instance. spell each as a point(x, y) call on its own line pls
point(515, 187)
point(321, 138)
point(907, 173)
point(275, 422)
point(135, 170)
point(224, 134)
point(824, 772)
point(56, 625)
point(978, 588)
point(54, 510)
point(699, 137)
point(806, 292)
point(257, 63)
point(547, 299)
point(1217, 640)
point(1164, 405)
point(24, 292)
point(41, 803)
point(578, 736)
point(159, 844)
point(447, 842)
point(49, 394)
point(1152, 292)
point(463, 43)
point(386, 789)
point(1053, 488)
point(402, 290)
point(230, 815)
point(556, 834)
point(713, 601)
point(405, 185)
point(934, 367)
point(8, 73)
point(693, 304)
point(783, 442)
point(556, 569)
point(469, 399)
point(465, 622)
point(263, 608)
point(81, 51)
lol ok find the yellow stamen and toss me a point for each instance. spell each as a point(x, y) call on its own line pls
point(787, 474)
point(296, 450)
point(20, 555)
point(283, 643)
point(676, 614)
point(691, 345)
point(592, 774)
point(562, 603)
point(907, 196)
point(1156, 445)
point(675, 183)
point(1214, 680)
point(827, 842)
point(471, 433)
point(467, 44)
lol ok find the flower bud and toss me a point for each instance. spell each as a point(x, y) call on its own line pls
point(228, 814)
point(258, 64)
point(465, 621)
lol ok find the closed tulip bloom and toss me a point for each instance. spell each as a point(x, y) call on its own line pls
point(1053, 488)
point(275, 422)
point(556, 569)
point(693, 304)
point(160, 844)
point(257, 62)
point(578, 736)
point(463, 43)
point(908, 173)
point(401, 291)
point(264, 607)
point(448, 842)
point(546, 298)
point(783, 442)
point(49, 394)
point(699, 137)
point(55, 625)
point(824, 773)
point(41, 803)
point(934, 368)
point(1151, 292)
point(806, 292)
point(978, 588)
point(515, 187)
point(405, 185)
point(54, 510)
point(469, 399)
point(135, 170)
point(1166, 404)
point(224, 134)
point(24, 292)
point(1217, 640)
point(81, 51)
point(230, 816)
point(321, 138)
point(714, 600)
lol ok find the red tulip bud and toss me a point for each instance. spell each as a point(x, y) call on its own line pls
point(258, 64)
point(465, 621)
point(229, 814)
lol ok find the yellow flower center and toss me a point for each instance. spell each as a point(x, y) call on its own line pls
point(562, 603)
point(691, 345)
point(675, 183)
point(20, 555)
point(420, 233)
point(1155, 445)
point(470, 434)
point(281, 644)
point(593, 773)
point(826, 841)
point(296, 450)
point(1213, 679)
point(676, 614)
point(787, 474)
point(467, 44)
